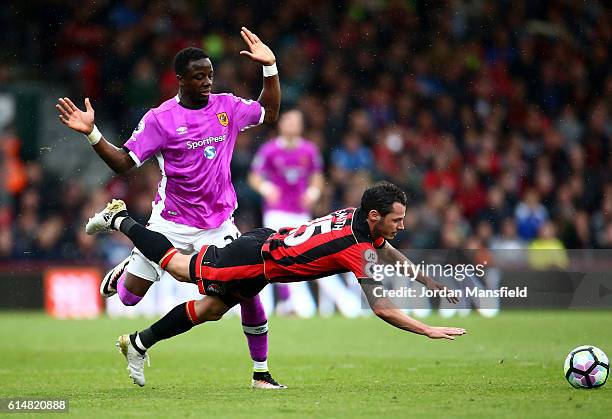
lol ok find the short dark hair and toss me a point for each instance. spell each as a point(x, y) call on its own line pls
point(184, 57)
point(381, 196)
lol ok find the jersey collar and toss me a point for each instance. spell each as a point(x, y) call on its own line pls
point(362, 230)
point(178, 100)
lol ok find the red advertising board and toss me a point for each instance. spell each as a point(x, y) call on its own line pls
point(72, 293)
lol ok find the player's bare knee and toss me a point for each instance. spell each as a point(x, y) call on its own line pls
point(209, 316)
point(178, 267)
point(213, 317)
point(210, 309)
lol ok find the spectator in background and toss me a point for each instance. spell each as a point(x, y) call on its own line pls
point(142, 90)
point(471, 196)
point(351, 156)
point(581, 236)
point(570, 127)
point(547, 251)
point(507, 246)
point(391, 159)
point(27, 224)
point(6, 232)
point(602, 220)
point(605, 237)
point(80, 44)
point(441, 175)
point(530, 215)
point(15, 177)
point(496, 210)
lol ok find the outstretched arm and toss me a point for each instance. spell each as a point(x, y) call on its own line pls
point(71, 116)
point(259, 52)
point(390, 254)
point(384, 309)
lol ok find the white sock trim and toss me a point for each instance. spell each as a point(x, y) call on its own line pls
point(256, 330)
point(117, 222)
point(260, 366)
point(139, 344)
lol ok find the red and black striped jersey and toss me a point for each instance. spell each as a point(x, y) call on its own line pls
point(339, 242)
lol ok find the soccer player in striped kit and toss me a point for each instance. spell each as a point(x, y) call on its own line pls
point(192, 137)
point(345, 240)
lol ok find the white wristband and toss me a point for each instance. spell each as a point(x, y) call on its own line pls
point(313, 193)
point(94, 136)
point(270, 70)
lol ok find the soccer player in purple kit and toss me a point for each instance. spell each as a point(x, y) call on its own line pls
point(287, 172)
point(192, 137)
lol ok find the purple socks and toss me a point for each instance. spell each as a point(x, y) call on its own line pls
point(255, 326)
point(283, 291)
point(126, 297)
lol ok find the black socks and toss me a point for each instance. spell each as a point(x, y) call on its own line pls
point(174, 323)
point(152, 244)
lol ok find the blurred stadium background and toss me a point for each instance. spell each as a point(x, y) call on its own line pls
point(492, 115)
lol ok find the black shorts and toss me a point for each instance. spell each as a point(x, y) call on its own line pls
point(233, 273)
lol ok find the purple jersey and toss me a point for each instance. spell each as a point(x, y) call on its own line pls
point(194, 148)
point(289, 169)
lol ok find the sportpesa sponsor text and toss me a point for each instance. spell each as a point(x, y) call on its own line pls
point(205, 141)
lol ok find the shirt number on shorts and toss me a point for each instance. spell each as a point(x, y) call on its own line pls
point(228, 239)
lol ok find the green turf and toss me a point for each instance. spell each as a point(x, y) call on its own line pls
point(509, 366)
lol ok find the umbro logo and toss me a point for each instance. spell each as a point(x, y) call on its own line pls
point(181, 130)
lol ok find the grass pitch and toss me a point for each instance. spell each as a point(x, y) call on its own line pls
point(509, 366)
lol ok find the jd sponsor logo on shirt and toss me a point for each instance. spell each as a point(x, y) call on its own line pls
point(210, 152)
point(205, 142)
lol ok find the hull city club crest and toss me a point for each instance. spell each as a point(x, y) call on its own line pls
point(223, 119)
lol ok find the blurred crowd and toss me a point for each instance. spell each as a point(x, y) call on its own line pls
point(493, 115)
